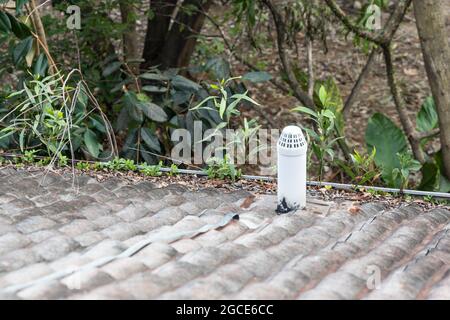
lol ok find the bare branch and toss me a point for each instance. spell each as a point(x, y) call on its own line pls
point(429, 134)
point(241, 59)
point(400, 106)
point(358, 85)
point(341, 15)
point(311, 77)
point(394, 21)
point(380, 38)
point(301, 95)
point(281, 37)
point(384, 40)
point(130, 49)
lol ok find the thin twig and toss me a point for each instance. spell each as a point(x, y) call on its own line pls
point(301, 95)
point(40, 34)
point(241, 59)
point(35, 9)
point(342, 16)
point(310, 62)
point(361, 78)
point(429, 134)
point(400, 106)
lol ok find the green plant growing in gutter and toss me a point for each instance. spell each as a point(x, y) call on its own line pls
point(119, 164)
point(151, 170)
point(222, 169)
point(82, 165)
point(29, 156)
point(173, 170)
point(63, 161)
point(407, 166)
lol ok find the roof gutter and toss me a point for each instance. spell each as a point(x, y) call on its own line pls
point(338, 186)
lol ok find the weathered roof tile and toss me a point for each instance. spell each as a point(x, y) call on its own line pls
point(323, 252)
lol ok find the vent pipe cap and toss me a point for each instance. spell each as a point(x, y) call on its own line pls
point(292, 142)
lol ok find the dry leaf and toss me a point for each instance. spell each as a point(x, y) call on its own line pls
point(411, 72)
point(247, 202)
point(354, 210)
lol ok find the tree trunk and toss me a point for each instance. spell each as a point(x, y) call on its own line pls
point(436, 54)
point(182, 38)
point(129, 43)
point(171, 45)
point(130, 48)
point(157, 29)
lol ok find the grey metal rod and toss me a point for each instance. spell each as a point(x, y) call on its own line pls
point(343, 186)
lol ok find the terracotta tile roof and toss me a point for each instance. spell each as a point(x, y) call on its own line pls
point(112, 240)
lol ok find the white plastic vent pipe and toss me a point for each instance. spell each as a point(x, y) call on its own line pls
point(292, 149)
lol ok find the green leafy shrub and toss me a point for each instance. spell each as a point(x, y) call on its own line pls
point(144, 108)
point(226, 105)
point(166, 102)
point(151, 170)
point(394, 157)
point(45, 161)
point(362, 170)
point(389, 140)
point(173, 170)
point(120, 164)
point(222, 169)
point(427, 117)
point(82, 165)
point(63, 160)
point(433, 178)
point(407, 166)
point(40, 117)
point(322, 142)
point(29, 156)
